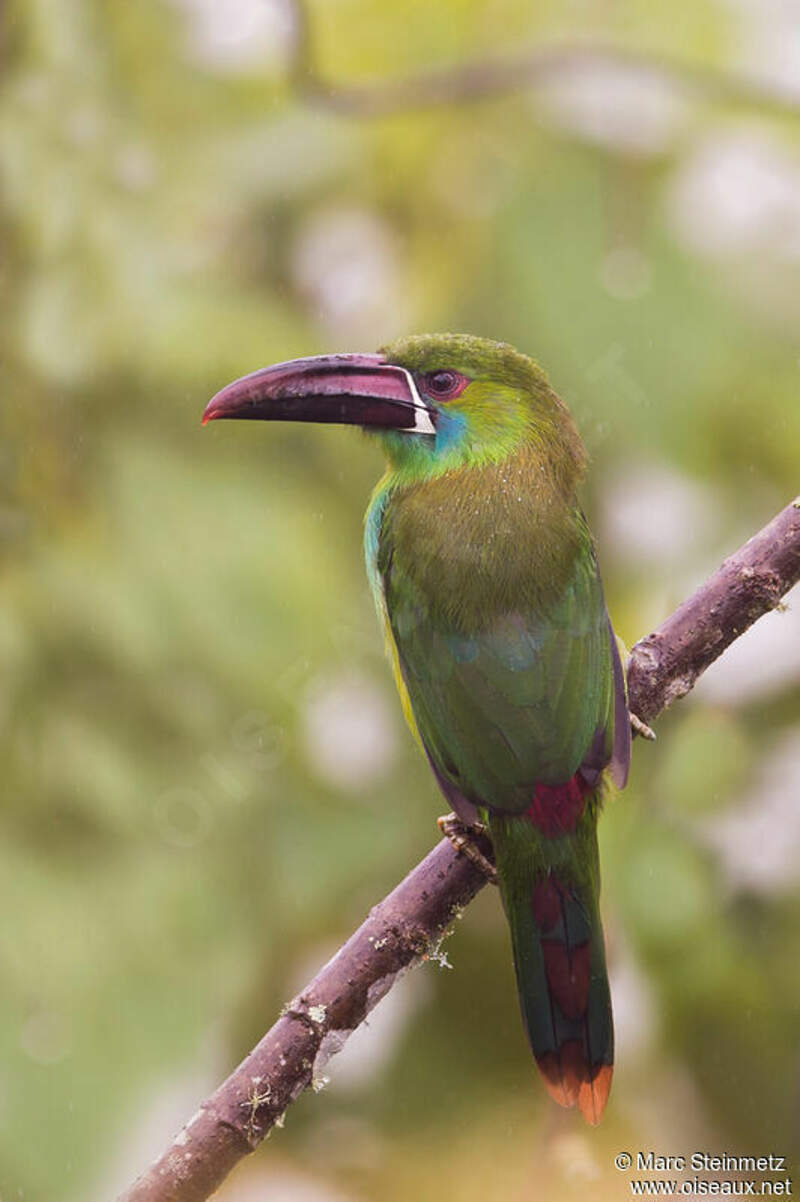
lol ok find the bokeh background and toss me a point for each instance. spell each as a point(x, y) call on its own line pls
point(206, 780)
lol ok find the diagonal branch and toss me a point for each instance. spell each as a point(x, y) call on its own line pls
point(666, 664)
point(409, 924)
point(484, 79)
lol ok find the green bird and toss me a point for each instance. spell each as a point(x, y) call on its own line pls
point(485, 576)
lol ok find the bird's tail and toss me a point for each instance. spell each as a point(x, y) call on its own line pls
point(550, 888)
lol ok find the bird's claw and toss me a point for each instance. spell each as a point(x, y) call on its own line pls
point(641, 728)
point(460, 835)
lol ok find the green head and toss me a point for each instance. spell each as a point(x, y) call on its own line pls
point(438, 402)
point(487, 402)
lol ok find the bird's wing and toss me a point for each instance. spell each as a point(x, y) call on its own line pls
point(529, 699)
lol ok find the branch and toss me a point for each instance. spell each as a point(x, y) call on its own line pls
point(409, 924)
point(484, 79)
point(666, 664)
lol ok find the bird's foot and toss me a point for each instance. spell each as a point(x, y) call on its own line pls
point(460, 835)
point(641, 728)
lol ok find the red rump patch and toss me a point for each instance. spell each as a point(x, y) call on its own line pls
point(556, 809)
point(568, 970)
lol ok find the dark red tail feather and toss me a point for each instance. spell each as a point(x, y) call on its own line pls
point(559, 957)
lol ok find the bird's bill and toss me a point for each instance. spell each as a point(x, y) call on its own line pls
point(356, 390)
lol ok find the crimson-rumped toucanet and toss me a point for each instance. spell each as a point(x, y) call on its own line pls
point(485, 577)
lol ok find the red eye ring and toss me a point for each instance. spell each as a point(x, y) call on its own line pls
point(444, 385)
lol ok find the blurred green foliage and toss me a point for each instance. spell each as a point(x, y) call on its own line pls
point(177, 851)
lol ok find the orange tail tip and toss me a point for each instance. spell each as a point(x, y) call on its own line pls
point(594, 1093)
point(563, 1071)
point(570, 1081)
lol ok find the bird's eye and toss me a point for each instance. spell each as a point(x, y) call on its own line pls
point(444, 385)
